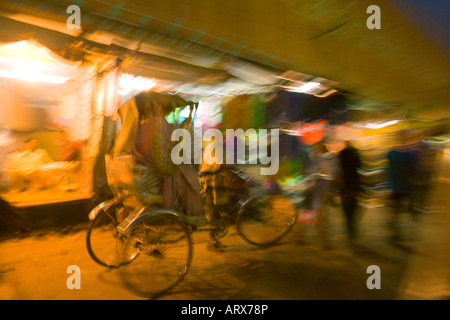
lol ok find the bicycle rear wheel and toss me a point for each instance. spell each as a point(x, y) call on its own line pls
point(264, 219)
point(165, 253)
point(103, 242)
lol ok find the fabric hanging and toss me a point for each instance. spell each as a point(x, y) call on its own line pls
point(208, 114)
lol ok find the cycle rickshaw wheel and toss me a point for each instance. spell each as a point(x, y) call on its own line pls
point(165, 253)
point(265, 218)
point(103, 242)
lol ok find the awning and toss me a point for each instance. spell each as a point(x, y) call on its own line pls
point(195, 41)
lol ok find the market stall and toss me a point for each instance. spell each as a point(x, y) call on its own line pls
point(49, 132)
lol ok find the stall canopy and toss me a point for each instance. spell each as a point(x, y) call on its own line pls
point(214, 46)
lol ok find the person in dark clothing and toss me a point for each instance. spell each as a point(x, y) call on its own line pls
point(349, 186)
point(402, 161)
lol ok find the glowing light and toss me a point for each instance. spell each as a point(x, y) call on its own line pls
point(379, 125)
point(326, 94)
point(306, 87)
point(128, 82)
point(29, 70)
point(30, 75)
point(16, 45)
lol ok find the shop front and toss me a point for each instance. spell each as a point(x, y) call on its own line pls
point(51, 114)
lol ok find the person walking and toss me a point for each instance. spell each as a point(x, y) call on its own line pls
point(401, 164)
point(321, 195)
point(349, 186)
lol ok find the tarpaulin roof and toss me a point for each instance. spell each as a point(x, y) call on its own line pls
point(199, 41)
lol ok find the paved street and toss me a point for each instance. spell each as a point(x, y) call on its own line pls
point(35, 267)
point(295, 269)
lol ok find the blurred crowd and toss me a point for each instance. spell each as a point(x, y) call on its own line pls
point(408, 169)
